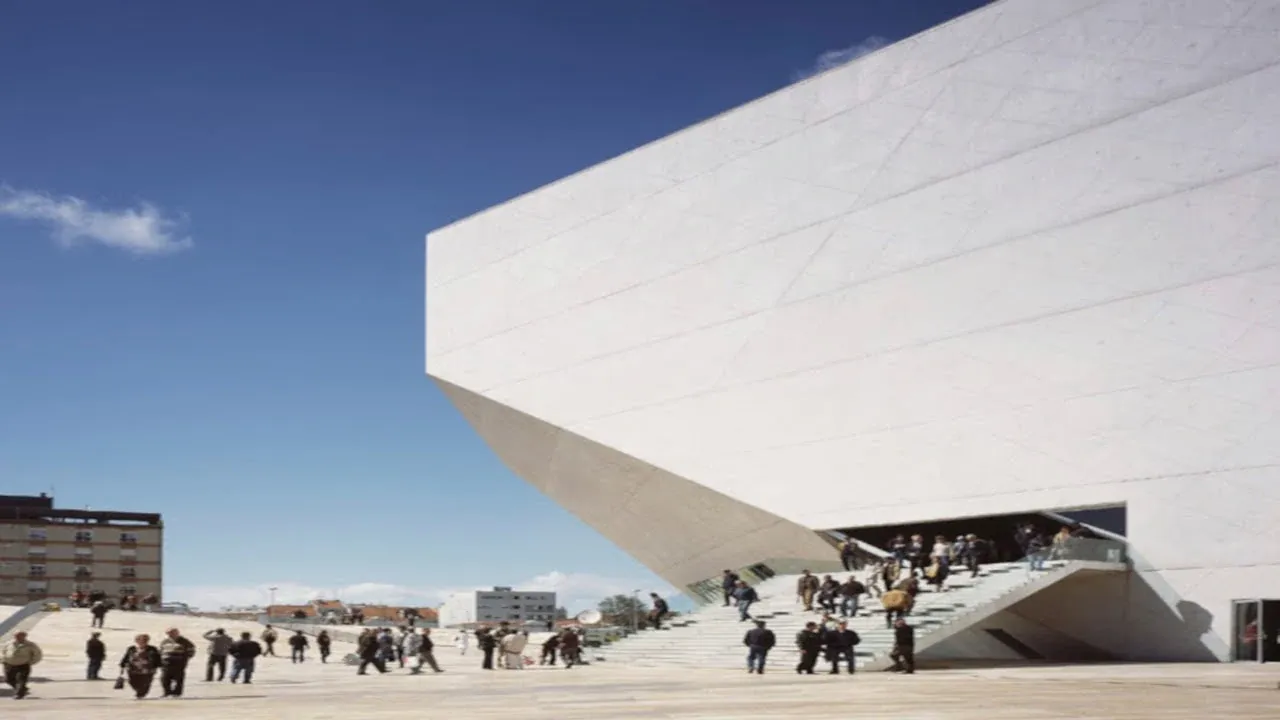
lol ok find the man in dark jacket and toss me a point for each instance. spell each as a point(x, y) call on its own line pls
point(370, 653)
point(427, 651)
point(728, 583)
point(323, 641)
point(298, 644)
point(549, 649)
point(759, 641)
point(840, 645)
point(96, 651)
point(904, 648)
point(570, 648)
point(244, 656)
point(487, 643)
point(809, 642)
point(850, 591)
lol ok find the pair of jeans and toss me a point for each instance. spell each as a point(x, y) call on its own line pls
point(755, 659)
point(849, 606)
point(376, 662)
point(95, 667)
point(298, 655)
point(242, 665)
point(743, 607)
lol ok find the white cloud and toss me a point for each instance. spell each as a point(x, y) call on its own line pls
point(142, 230)
point(576, 591)
point(835, 58)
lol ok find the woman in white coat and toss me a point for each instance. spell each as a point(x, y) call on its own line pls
point(462, 640)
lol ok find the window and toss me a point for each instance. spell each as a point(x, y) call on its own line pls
point(128, 573)
point(128, 590)
point(84, 587)
point(36, 571)
point(128, 555)
point(83, 571)
point(37, 534)
point(84, 536)
point(37, 588)
point(83, 552)
point(128, 538)
point(38, 550)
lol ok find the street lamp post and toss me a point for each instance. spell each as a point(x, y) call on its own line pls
point(273, 599)
point(635, 611)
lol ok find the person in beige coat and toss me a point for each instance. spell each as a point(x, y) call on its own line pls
point(513, 650)
point(18, 656)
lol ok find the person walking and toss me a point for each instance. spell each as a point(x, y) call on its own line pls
point(139, 664)
point(745, 596)
point(96, 652)
point(904, 648)
point(323, 641)
point(426, 650)
point(219, 648)
point(99, 613)
point(368, 649)
point(18, 656)
point(175, 652)
point(298, 644)
point(809, 643)
point(269, 641)
point(759, 641)
point(244, 657)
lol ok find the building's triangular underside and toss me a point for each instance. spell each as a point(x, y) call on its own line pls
point(683, 531)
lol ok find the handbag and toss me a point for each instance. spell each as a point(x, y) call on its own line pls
point(120, 682)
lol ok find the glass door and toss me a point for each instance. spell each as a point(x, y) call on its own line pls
point(1244, 630)
point(1269, 634)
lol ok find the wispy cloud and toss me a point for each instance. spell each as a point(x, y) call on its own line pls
point(576, 591)
point(142, 230)
point(835, 58)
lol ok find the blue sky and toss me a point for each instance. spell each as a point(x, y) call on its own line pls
point(211, 223)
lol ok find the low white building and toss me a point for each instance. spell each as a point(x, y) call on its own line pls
point(498, 605)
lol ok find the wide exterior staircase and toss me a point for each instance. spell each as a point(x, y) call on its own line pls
point(711, 637)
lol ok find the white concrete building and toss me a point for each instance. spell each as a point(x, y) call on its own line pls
point(498, 605)
point(1026, 261)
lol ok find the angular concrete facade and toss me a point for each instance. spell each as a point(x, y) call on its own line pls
point(1029, 259)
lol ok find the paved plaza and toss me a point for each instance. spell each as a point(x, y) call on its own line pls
point(285, 691)
point(311, 691)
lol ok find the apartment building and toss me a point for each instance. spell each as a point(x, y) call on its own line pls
point(48, 552)
point(498, 605)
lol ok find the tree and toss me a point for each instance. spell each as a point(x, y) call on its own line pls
point(562, 614)
point(620, 609)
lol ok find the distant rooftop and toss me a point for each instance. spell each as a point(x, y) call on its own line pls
point(37, 508)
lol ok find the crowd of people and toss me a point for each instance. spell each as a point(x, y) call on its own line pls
point(895, 580)
point(127, 601)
